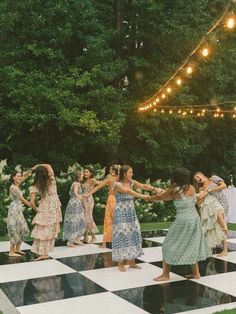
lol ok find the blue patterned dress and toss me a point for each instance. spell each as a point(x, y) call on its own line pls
point(126, 238)
point(185, 243)
point(74, 220)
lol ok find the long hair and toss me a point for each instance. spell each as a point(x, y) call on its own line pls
point(181, 178)
point(123, 170)
point(11, 180)
point(41, 179)
point(77, 176)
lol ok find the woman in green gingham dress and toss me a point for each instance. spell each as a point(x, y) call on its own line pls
point(185, 243)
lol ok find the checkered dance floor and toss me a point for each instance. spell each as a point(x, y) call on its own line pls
point(85, 280)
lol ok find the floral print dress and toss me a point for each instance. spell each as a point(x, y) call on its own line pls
point(16, 223)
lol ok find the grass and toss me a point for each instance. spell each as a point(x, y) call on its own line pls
point(144, 227)
point(233, 311)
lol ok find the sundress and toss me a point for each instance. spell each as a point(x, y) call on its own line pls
point(88, 203)
point(16, 223)
point(126, 237)
point(211, 228)
point(47, 220)
point(74, 220)
point(219, 194)
point(185, 243)
point(108, 218)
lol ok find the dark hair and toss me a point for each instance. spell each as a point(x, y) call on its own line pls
point(115, 169)
point(41, 179)
point(77, 176)
point(11, 180)
point(181, 178)
point(90, 169)
point(123, 170)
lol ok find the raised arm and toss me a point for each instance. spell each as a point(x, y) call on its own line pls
point(166, 196)
point(49, 169)
point(121, 189)
point(100, 185)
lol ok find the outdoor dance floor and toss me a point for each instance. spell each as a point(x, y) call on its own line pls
point(85, 280)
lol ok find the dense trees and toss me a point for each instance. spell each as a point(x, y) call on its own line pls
point(61, 68)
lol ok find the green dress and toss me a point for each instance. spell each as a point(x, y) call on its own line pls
point(185, 243)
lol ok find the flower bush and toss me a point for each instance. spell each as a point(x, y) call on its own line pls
point(146, 211)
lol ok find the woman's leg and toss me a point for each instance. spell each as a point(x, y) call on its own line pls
point(195, 270)
point(133, 264)
point(165, 273)
point(12, 250)
point(93, 239)
point(18, 250)
point(121, 266)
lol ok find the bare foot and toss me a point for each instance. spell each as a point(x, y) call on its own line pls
point(71, 244)
point(162, 278)
point(92, 240)
point(223, 253)
point(133, 265)
point(41, 257)
point(121, 268)
point(20, 252)
point(191, 276)
point(102, 246)
point(13, 254)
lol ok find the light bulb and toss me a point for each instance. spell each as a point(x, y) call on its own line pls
point(179, 81)
point(230, 23)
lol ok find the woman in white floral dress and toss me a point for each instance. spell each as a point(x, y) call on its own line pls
point(48, 217)
point(16, 223)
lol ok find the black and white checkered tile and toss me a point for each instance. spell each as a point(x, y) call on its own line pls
point(85, 280)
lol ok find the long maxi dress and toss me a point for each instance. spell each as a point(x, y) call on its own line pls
point(211, 228)
point(74, 220)
point(47, 220)
point(16, 224)
point(88, 203)
point(108, 218)
point(185, 243)
point(126, 238)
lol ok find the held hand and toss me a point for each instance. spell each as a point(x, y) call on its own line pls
point(86, 194)
point(159, 191)
point(34, 167)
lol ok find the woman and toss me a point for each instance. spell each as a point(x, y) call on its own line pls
point(185, 243)
point(16, 224)
point(74, 220)
point(87, 185)
point(214, 185)
point(48, 217)
point(126, 238)
point(110, 204)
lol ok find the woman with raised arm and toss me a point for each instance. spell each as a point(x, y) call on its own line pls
point(74, 220)
point(88, 184)
point(126, 238)
point(16, 224)
point(185, 243)
point(110, 204)
point(48, 217)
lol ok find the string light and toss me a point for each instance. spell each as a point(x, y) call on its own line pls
point(205, 50)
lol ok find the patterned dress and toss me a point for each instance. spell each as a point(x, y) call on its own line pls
point(88, 203)
point(47, 220)
point(74, 220)
point(219, 194)
point(16, 223)
point(185, 243)
point(211, 228)
point(108, 219)
point(126, 238)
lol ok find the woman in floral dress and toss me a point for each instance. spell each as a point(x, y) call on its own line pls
point(110, 204)
point(48, 217)
point(185, 243)
point(74, 220)
point(87, 185)
point(16, 224)
point(126, 237)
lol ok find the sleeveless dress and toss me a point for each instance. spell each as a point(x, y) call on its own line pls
point(74, 220)
point(16, 223)
point(108, 218)
point(185, 243)
point(219, 194)
point(126, 237)
point(88, 203)
point(211, 228)
point(47, 220)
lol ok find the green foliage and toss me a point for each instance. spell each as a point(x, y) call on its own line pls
point(61, 97)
